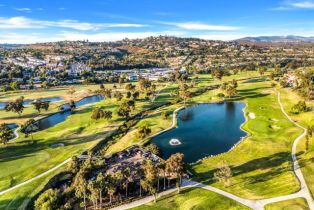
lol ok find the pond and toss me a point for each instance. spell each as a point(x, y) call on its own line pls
point(59, 117)
point(28, 102)
point(203, 130)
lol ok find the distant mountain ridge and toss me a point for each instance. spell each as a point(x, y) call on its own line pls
point(277, 39)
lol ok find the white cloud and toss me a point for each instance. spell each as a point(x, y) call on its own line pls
point(23, 23)
point(124, 25)
point(303, 5)
point(25, 9)
point(295, 5)
point(201, 26)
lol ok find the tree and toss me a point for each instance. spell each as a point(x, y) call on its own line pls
point(16, 106)
point(300, 107)
point(153, 149)
point(144, 85)
point(5, 133)
point(127, 179)
point(38, 105)
point(107, 93)
point(184, 92)
point(124, 110)
point(262, 71)
point(165, 115)
point(45, 84)
point(118, 95)
point(143, 131)
point(94, 192)
point(101, 180)
point(72, 105)
point(217, 74)
point(99, 113)
point(111, 186)
point(71, 91)
point(73, 165)
point(29, 127)
point(161, 167)
point(135, 95)
point(81, 186)
point(150, 175)
point(231, 91)
point(223, 174)
point(47, 200)
point(175, 166)
point(15, 86)
point(130, 87)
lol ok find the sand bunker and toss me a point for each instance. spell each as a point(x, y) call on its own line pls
point(274, 127)
point(252, 115)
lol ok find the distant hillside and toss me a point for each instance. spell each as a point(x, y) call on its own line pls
point(10, 45)
point(277, 39)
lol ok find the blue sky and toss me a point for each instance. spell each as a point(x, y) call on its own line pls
point(30, 21)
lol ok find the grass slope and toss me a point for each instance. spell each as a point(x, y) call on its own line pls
point(306, 158)
point(189, 198)
point(261, 164)
point(294, 204)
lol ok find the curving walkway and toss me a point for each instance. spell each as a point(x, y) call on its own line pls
point(253, 204)
point(304, 191)
point(35, 178)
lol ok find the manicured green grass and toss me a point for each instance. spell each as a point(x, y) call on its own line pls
point(24, 158)
point(192, 198)
point(18, 199)
point(306, 158)
point(295, 204)
point(261, 164)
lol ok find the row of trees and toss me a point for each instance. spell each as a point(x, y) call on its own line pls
point(94, 192)
point(18, 106)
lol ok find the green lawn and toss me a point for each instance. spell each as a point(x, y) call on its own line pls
point(261, 164)
point(294, 204)
point(24, 158)
point(190, 198)
point(306, 158)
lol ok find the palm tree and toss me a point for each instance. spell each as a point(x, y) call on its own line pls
point(93, 193)
point(81, 186)
point(162, 169)
point(118, 176)
point(111, 187)
point(101, 184)
point(127, 179)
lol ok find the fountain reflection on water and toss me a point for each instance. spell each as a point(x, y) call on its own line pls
point(175, 142)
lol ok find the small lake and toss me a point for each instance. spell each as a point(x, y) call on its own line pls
point(203, 130)
point(28, 102)
point(59, 117)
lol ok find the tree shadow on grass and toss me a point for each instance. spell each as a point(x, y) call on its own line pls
point(255, 80)
point(273, 165)
point(22, 150)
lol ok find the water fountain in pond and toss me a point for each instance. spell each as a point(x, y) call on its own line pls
point(174, 142)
